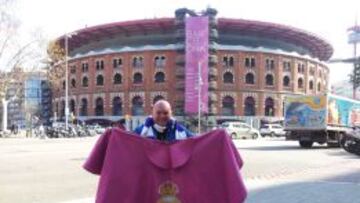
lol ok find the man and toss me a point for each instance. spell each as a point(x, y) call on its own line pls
point(161, 125)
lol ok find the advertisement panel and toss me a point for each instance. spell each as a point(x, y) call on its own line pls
point(343, 112)
point(197, 46)
point(305, 112)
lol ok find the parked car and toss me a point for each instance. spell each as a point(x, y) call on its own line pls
point(272, 130)
point(240, 130)
point(99, 129)
point(351, 141)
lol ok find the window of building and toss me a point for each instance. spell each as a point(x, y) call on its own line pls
point(85, 67)
point(85, 81)
point(137, 108)
point(311, 85)
point(138, 62)
point(117, 63)
point(138, 78)
point(286, 81)
point(160, 77)
point(269, 64)
point(117, 106)
point(250, 79)
point(159, 61)
point(72, 106)
point(269, 107)
point(228, 78)
point(83, 107)
point(228, 61)
point(319, 87)
point(99, 107)
point(286, 66)
point(99, 80)
point(252, 62)
point(117, 79)
point(100, 65)
point(249, 106)
point(269, 80)
point(247, 62)
point(312, 70)
point(228, 106)
point(72, 69)
point(300, 83)
point(73, 83)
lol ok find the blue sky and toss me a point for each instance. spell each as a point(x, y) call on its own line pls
point(329, 19)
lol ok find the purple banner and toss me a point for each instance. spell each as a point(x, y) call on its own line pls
point(197, 46)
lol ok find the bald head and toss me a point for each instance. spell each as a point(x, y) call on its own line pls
point(162, 112)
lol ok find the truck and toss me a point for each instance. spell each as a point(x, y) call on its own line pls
point(319, 119)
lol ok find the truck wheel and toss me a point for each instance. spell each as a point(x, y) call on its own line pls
point(255, 136)
point(233, 135)
point(306, 144)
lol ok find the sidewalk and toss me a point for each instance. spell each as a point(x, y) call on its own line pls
point(305, 192)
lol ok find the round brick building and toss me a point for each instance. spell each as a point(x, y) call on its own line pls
point(121, 68)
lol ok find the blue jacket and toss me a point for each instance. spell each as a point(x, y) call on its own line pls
point(171, 132)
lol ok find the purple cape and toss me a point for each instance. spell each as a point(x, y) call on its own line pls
point(134, 169)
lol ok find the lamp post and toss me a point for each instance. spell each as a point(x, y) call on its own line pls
point(67, 36)
point(199, 97)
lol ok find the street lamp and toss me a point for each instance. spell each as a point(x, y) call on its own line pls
point(199, 97)
point(67, 36)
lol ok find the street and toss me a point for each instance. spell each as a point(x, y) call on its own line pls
point(49, 171)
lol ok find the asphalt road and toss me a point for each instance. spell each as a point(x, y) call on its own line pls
point(49, 171)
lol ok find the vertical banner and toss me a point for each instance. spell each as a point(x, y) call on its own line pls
point(197, 46)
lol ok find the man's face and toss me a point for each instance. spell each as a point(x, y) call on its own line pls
point(161, 114)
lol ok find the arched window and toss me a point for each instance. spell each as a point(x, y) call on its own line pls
point(85, 81)
point(99, 80)
point(269, 107)
point(269, 80)
point(249, 78)
point(286, 81)
point(62, 112)
point(137, 106)
point(311, 85)
point(83, 107)
point(72, 106)
point(138, 78)
point(117, 78)
point(99, 107)
point(157, 98)
point(64, 85)
point(159, 77)
point(228, 78)
point(73, 83)
point(117, 106)
point(228, 106)
point(300, 83)
point(249, 106)
point(319, 87)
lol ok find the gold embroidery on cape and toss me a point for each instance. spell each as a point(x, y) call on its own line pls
point(168, 191)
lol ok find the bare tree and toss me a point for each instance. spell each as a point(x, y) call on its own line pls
point(18, 53)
